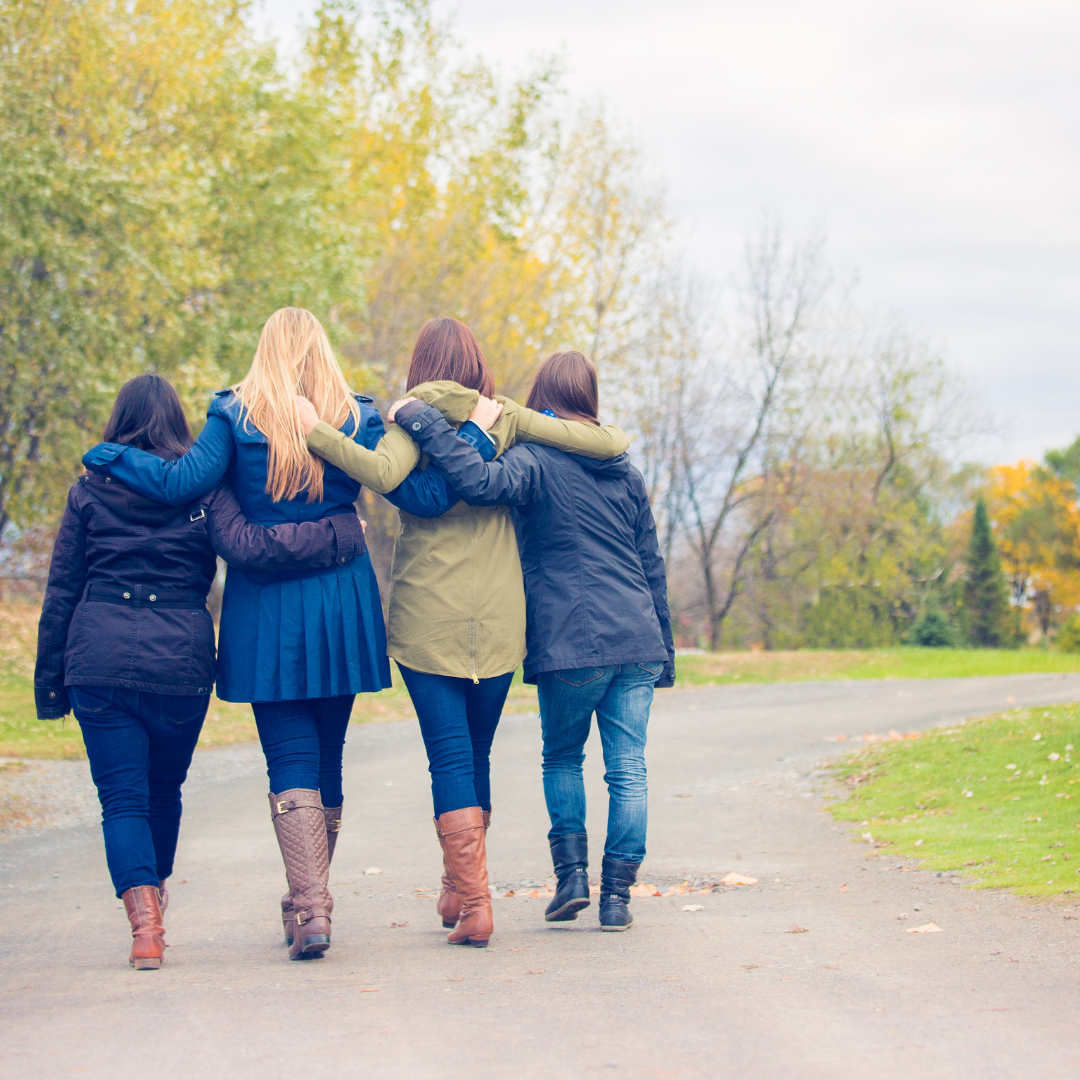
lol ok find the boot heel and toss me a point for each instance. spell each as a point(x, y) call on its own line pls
point(313, 947)
point(145, 963)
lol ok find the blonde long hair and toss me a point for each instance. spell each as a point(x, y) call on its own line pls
point(294, 357)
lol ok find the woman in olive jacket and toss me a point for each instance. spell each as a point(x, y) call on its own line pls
point(125, 639)
point(457, 605)
point(599, 629)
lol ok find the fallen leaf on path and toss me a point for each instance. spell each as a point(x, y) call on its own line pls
point(737, 879)
point(372, 870)
point(644, 890)
point(926, 928)
point(843, 888)
point(509, 893)
point(694, 907)
point(539, 971)
point(798, 930)
point(902, 916)
point(397, 926)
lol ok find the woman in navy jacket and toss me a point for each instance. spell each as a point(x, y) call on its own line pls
point(125, 639)
point(598, 627)
point(298, 648)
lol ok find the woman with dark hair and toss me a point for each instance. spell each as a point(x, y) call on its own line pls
point(599, 632)
point(125, 639)
point(457, 610)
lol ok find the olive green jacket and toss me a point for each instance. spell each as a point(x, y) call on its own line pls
point(457, 601)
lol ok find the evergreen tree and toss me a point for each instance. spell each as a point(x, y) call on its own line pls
point(986, 600)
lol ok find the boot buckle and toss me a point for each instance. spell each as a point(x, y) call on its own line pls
point(282, 807)
point(334, 826)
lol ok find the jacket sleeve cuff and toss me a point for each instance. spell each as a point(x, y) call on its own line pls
point(415, 417)
point(51, 702)
point(348, 537)
point(102, 454)
point(666, 679)
point(478, 439)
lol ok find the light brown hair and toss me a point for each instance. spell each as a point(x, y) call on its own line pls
point(447, 349)
point(566, 384)
point(294, 357)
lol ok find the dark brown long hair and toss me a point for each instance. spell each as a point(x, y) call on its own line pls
point(566, 384)
point(448, 349)
point(148, 414)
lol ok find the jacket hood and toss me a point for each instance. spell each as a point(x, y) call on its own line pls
point(613, 467)
point(130, 505)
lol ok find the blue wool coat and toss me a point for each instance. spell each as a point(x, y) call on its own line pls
point(292, 636)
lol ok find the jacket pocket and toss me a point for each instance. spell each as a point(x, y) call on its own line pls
point(182, 708)
point(580, 676)
point(91, 699)
point(653, 667)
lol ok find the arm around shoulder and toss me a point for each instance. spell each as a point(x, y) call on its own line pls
point(589, 440)
point(381, 469)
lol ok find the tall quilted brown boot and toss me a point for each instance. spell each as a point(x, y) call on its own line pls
point(301, 833)
point(332, 818)
point(143, 908)
point(449, 902)
point(462, 836)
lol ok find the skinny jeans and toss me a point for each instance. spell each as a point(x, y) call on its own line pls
point(303, 741)
point(140, 747)
point(621, 697)
point(458, 719)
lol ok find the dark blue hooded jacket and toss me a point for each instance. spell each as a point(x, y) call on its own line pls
point(595, 588)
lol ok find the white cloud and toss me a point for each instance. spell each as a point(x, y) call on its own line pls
point(937, 142)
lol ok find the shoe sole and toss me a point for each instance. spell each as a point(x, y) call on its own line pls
point(568, 911)
point(146, 963)
point(449, 925)
point(476, 943)
point(616, 929)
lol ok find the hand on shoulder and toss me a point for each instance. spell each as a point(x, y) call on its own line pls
point(308, 416)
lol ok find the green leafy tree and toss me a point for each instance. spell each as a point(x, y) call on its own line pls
point(986, 600)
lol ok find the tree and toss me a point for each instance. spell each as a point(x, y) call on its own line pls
point(986, 601)
point(1038, 529)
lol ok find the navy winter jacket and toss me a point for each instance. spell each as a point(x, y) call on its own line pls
point(595, 587)
point(126, 600)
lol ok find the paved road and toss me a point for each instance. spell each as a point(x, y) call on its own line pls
point(716, 992)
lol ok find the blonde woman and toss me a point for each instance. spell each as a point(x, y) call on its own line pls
point(297, 646)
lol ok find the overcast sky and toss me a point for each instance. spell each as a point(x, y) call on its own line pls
point(937, 143)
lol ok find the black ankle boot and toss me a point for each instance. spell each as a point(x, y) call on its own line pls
point(615, 881)
point(570, 854)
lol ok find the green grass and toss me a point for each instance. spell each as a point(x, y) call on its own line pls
point(815, 665)
point(1019, 828)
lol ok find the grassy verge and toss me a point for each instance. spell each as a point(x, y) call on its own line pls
point(992, 797)
point(23, 735)
point(813, 665)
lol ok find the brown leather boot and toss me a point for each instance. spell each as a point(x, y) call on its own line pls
point(449, 903)
point(300, 826)
point(462, 836)
point(147, 932)
point(332, 817)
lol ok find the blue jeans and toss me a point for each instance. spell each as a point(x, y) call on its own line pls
point(620, 696)
point(303, 741)
point(140, 747)
point(458, 719)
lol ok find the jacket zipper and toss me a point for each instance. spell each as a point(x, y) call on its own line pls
point(472, 650)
